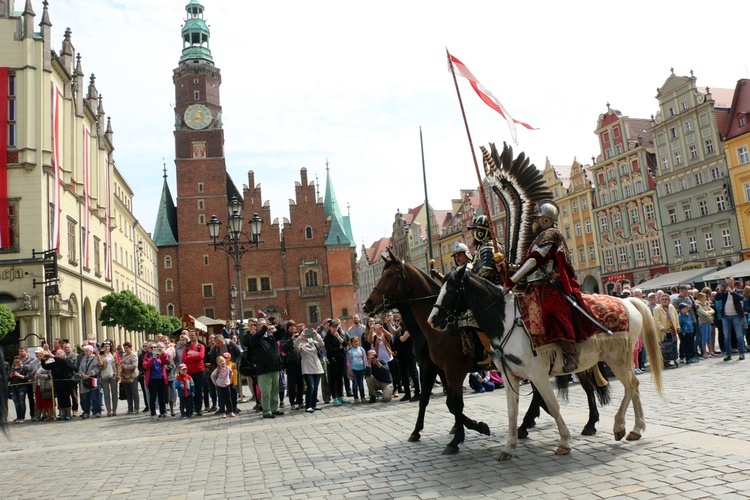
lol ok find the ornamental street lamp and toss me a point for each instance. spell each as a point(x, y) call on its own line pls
point(235, 243)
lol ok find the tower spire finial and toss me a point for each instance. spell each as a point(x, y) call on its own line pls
point(164, 162)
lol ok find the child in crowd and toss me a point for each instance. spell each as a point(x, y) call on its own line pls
point(185, 389)
point(687, 333)
point(497, 379)
point(480, 382)
point(356, 362)
point(222, 379)
point(234, 382)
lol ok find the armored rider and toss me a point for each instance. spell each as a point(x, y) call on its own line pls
point(484, 262)
point(546, 261)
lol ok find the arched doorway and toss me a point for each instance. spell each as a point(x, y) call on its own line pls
point(590, 285)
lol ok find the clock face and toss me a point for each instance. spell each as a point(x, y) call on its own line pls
point(197, 116)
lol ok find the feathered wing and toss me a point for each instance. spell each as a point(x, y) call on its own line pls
point(521, 186)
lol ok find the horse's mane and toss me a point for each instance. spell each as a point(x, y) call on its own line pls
point(491, 289)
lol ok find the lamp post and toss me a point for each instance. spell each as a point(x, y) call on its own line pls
point(235, 243)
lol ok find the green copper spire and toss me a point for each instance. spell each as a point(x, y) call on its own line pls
point(195, 35)
point(165, 232)
point(337, 233)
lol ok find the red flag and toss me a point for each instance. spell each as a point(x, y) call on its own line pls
point(487, 96)
point(261, 314)
point(4, 214)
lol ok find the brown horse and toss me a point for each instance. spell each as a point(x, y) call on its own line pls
point(413, 292)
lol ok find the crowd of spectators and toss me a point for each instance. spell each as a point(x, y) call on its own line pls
point(705, 322)
point(192, 375)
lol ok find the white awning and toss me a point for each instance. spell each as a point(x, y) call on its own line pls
point(741, 270)
point(667, 280)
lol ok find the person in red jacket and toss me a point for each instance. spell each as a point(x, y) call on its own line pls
point(155, 364)
point(193, 356)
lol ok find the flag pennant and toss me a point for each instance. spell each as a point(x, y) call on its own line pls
point(487, 96)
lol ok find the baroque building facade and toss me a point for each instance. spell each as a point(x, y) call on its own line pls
point(736, 142)
point(573, 194)
point(59, 181)
point(304, 267)
point(700, 226)
point(631, 249)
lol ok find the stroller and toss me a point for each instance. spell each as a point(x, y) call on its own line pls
point(669, 350)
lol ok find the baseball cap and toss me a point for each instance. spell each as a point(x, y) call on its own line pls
point(183, 366)
point(333, 322)
point(682, 304)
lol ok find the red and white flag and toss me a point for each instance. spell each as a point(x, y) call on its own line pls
point(487, 96)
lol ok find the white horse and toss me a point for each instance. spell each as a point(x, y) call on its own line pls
point(497, 314)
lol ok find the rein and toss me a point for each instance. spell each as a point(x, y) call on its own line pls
point(388, 303)
point(504, 337)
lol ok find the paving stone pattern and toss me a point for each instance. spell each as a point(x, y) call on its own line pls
point(696, 445)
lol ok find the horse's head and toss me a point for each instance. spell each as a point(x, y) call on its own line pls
point(392, 285)
point(451, 301)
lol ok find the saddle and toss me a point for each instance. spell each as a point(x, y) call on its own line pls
point(483, 356)
point(607, 310)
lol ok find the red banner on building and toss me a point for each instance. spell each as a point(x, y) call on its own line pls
point(4, 215)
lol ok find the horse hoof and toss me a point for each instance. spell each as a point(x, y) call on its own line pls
point(619, 435)
point(562, 450)
point(483, 428)
point(414, 438)
point(504, 456)
point(588, 431)
point(633, 436)
point(450, 450)
point(522, 433)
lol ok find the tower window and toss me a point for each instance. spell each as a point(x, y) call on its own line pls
point(200, 187)
point(308, 233)
point(205, 260)
point(196, 95)
point(195, 80)
point(202, 219)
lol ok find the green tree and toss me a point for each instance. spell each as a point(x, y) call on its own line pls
point(124, 310)
point(7, 321)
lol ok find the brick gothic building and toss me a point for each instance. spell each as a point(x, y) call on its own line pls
point(305, 266)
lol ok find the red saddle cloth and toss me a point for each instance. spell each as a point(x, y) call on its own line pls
point(607, 310)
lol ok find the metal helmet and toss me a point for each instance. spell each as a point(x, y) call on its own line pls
point(461, 248)
point(481, 227)
point(547, 213)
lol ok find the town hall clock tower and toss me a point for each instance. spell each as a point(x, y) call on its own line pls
point(195, 279)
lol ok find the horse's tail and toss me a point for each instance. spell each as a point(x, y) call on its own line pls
point(563, 382)
point(652, 341)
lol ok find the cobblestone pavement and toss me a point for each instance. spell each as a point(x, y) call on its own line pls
point(696, 445)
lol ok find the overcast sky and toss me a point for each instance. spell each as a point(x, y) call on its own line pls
point(352, 82)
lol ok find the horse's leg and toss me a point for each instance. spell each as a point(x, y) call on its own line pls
point(529, 420)
point(587, 383)
point(455, 402)
point(548, 394)
point(623, 370)
point(427, 375)
point(512, 384)
point(640, 420)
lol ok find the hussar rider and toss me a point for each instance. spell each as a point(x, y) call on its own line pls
point(549, 274)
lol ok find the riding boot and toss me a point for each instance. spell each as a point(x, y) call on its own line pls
point(570, 356)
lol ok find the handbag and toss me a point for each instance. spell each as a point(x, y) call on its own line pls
point(128, 376)
point(45, 389)
point(88, 383)
point(121, 393)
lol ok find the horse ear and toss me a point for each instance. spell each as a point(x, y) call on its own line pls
point(390, 252)
point(384, 256)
